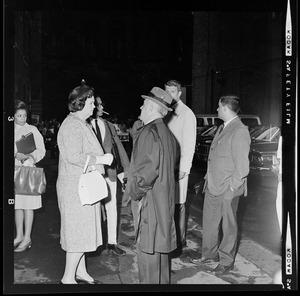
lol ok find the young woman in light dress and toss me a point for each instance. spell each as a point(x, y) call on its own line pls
point(26, 204)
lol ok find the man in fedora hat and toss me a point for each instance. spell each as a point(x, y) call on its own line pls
point(151, 186)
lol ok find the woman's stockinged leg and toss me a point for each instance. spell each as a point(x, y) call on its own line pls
point(28, 221)
point(72, 261)
point(19, 220)
point(82, 271)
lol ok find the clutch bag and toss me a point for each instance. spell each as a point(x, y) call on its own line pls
point(26, 144)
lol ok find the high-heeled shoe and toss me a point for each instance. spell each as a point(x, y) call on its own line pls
point(17, 244)
point(24, 248)
point(83, 281)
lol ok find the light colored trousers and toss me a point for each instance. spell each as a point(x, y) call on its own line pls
point(110, 204)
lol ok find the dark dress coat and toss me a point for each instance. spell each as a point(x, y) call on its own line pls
point(110, 131)
point(151, 180)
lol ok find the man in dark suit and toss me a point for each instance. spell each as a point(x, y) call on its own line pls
point(106, 132)
point(225, 182)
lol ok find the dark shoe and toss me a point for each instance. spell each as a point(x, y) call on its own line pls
point(204, 260)
point(114, 249)
point(221, 270)
point(80, 280)
point(182, 245)
point(24, 248)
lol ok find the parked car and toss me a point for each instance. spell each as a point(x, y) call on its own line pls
point(204, 120)
point(263, 151)
point(257, 130)
point(250, 120)
point(262, 139)
point(262, 156)
point(207, 125)
point(207, 120)
point(203, 142)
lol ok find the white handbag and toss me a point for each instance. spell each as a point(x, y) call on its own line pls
point(92, 186)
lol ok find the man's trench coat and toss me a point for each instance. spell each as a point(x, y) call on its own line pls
point(151, 181)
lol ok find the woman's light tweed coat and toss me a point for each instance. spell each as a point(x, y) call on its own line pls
point(80, 225)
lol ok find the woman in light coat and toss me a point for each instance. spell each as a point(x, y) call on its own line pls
point(80, 225)
point(26, 204)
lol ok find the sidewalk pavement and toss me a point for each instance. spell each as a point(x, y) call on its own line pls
point(44, 262)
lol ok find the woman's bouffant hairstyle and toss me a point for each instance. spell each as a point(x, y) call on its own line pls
point(78, 96)
point(20, 105)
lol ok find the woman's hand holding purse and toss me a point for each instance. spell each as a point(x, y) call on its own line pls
point(25, 159)
point(107, 158)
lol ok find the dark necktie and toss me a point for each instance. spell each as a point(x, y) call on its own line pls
point(98, 133)
point(221, 128)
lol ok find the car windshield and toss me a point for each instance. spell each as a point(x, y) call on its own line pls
point(257, 130)
point(268, 134)
point(210, 131)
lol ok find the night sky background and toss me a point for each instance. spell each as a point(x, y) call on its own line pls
point(121, 54)
point(121, 48)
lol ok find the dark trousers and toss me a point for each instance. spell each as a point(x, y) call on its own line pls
point(219, 212)
point(180, 223)
point(153, 268)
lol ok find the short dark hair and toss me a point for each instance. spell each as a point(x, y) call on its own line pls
point(78, 96)
point(20, 105)
point(231, 101)
point(96, 101)
point(174, 82)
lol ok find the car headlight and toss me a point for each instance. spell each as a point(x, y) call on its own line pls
point(267, 160)
point(256, 160)
point(261, 161)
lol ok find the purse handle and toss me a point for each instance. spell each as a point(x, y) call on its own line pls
point(86, 164)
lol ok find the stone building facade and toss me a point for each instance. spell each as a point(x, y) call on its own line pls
point(238, 52)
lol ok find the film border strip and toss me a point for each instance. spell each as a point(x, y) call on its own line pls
point(289, 163)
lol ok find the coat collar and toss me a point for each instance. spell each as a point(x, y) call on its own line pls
point(229, 126)
point(155, 121)
point(230, 120)
point(178, 107)
point(234, 120)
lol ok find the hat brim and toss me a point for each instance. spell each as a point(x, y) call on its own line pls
point(157, 102)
